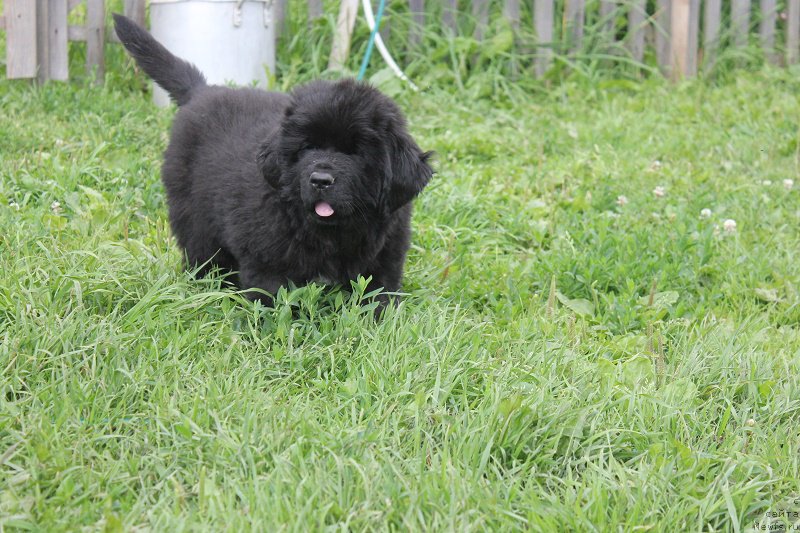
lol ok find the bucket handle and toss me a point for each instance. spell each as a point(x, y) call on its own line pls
point(237, 13)
point(268, 13)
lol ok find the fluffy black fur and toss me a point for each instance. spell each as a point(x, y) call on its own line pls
point(245, 168)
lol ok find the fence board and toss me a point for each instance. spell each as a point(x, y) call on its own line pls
point(607, 11)
point(57, 33)
point(792, 30)
point(315, 10)
point(679, 24)
point(574, 11)
point(417, 9)
point(694, 35)
point(344, 30)
point(20, 38)
point(766, 28)
point(543, 12)
point(712, 15)
point(662, 23)
point(480, 11)
point(740, 21)
point(449, 11)
point(511, 13)
point(95, 39)
point(134, 10)
point(636, 18)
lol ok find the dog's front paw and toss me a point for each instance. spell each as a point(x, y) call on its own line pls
point(256, 295)
point(259, 285)
point(384, 302)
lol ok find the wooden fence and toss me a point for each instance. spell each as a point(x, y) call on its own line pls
point(38, 33)
point(670, 30)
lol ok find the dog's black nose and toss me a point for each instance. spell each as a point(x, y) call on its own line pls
point(321, 180)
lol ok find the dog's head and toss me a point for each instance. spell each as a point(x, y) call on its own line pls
point(344, 150)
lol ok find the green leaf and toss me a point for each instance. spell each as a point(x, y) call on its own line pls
point(55, 222)
point(606, 367)
point(637, 369)
point(184, 430)
point(386, 80)
point(113, 523)
point(723, 424)
point(767, 295)
point(765, 388)
point(500, 43)
point(579, 306)
point(680, 391)
point(95, 197)
point(349, 388)
point(509, 405)
point(684, 452)
point(661, 300)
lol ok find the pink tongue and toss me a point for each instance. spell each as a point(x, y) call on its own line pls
point(323, 209)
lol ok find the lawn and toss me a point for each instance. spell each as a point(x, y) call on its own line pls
point(600, 330)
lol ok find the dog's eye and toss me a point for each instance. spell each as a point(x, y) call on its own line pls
point(307, 146)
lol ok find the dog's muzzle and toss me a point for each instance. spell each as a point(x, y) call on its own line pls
point(321, 180)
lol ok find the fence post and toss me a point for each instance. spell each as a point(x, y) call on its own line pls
point(314, 10)
point(663, 23)
point(792, 31)
point(694, 35)
point(636, 18)
point(511, 14)
point(55, 25)
point(48, 45)
point(740, 22)
point(680, 37)
point(766, 29)
point(21, 39)
point(480, 10)
point(543, 21)
point(711, 32)
point(449, 11)
point(134, 10)
point(344, 31)
point(95, 39)
point(607, 9)
point(573, 23)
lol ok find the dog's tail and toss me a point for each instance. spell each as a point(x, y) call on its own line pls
point(176, 76)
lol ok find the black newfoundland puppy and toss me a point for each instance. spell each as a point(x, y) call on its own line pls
point(315, 185)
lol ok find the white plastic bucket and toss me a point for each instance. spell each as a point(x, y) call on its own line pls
point(230, 41)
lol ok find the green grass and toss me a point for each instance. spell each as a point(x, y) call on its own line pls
point(560, 361)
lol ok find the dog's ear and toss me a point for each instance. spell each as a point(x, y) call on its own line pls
point(408, 174)
point(269, 161)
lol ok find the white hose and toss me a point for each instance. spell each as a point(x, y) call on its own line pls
point(381, 47)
